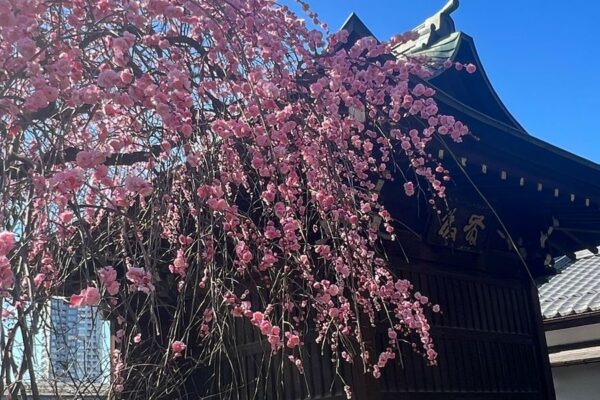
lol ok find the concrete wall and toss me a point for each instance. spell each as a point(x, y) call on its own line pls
point(580, 381)
point(578, 334)
point(577, 382)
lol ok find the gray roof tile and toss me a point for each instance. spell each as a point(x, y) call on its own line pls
point(575, 290)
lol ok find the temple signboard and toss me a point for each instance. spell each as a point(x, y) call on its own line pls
point(462, 226)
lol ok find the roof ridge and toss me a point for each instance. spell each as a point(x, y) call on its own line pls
point(431, 31)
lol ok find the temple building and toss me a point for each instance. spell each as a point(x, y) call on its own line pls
point(515, 204)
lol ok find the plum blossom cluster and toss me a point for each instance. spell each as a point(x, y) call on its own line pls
point(87, 297)
point(192, 165)
point(7, 243)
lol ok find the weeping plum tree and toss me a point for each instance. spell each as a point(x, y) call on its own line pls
point(190, 165)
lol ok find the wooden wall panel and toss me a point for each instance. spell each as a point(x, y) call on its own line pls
point(487, 337)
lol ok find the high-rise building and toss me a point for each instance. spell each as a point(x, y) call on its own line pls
point(73, 344)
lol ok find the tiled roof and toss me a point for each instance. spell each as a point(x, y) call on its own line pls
point(574, 290)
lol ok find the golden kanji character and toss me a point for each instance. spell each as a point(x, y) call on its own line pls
point(472, 228)
point(448, 230)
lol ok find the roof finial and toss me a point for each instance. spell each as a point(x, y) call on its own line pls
point(435, 28)
point(449, 7)
point(442, 23)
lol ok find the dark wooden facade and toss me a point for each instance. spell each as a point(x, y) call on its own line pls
point(488, 337)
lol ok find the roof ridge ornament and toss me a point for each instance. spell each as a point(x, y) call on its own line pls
point(438, 25)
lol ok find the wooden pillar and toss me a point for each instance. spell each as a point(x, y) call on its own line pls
point(546, 371)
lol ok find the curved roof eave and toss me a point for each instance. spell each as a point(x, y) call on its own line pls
point(459, 47)
point(515, 128)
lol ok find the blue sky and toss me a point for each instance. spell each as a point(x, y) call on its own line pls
point(542, 56)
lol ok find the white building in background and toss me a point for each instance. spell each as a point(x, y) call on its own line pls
point(73, 344)
point(570, 303)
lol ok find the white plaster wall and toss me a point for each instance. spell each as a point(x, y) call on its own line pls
point(577, 334)
point(577, 382)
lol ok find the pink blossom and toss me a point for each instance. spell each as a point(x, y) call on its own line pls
point(173, 12)
point(140, 280)
point(293, 341)
point(431, 355)
point(126, 76)
point(7, 277)
point(323, 250)
point(39, 279)
point(217, 204)
point(68, 181)
point(274, 340)
point(137, 185)
point(243, 252)
point(121, 46)
point(409, 188)
point(90, 158)
point(178, 347)
point(90, 94)
point(108, 276)
point(108, 79)
point(179, 265)
point(65, 217)
point(419, 89)
point(87, 297)
point(7, 18)
point(348, 392)
point(471, 68)
point(280, 209)
point(265, 327)
point(26, 46)
point(376, 372)
point(257, 317)
point(185, 240)
point(7, 242)
point(36, 101)
point(333, 290)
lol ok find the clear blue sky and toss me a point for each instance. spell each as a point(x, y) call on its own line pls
point(542, 56)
